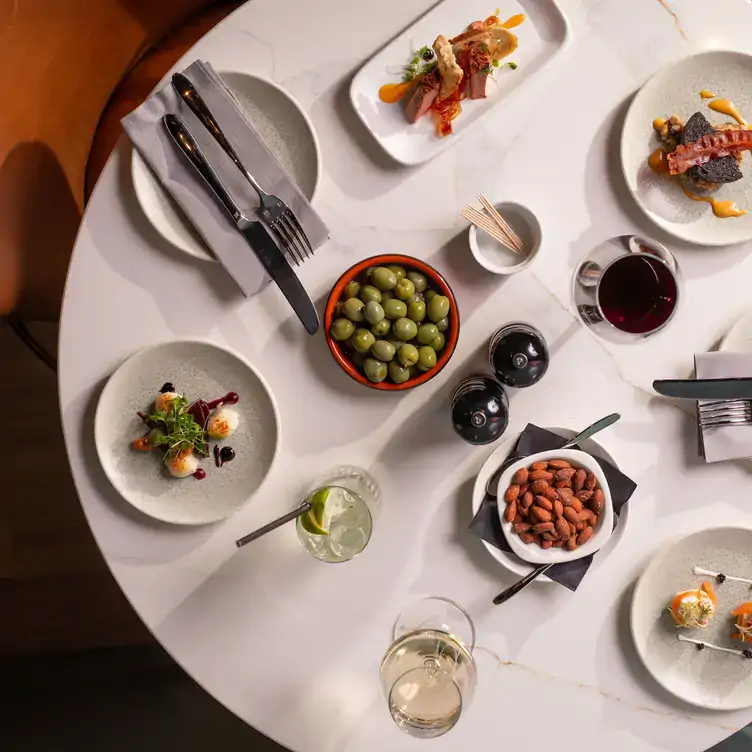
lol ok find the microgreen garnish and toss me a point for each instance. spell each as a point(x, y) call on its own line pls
point(181, 432)
point(422, 63)
point(495, 64)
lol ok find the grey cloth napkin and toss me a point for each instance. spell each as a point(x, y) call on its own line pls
point(145, 129)
point(486, 524)
point(724, 442)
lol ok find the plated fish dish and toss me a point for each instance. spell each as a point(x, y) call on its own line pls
point(440, 77)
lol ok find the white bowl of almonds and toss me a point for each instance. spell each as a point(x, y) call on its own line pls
point(555, 506)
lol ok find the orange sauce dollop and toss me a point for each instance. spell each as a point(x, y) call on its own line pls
point(391, 93)
point(510, 23)
point(721, 209)
point(658, 163)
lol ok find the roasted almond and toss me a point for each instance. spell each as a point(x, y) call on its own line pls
point(585, 535)
point(540, 515)
point(538, 486)
point(524, 488)
point(550, 493)
point(544, 503)
point(580, 526)
point(563, 484)
point(584, 515)
point(584, 496)
point(558, 508)
point(527, 538)
point(521, 527)
point(598, 501)
point(545, 544)
point(576, 505)
point(578, 481)
point(512, 493)
point(565, 473)
point(525, 502)
point(566, 495)
point(590, 482)
point(592, 517)
point(562, 528)
point(541, 475)
point(571, 515)
point(539, 466)
point(511, 511)
point(520, 476)
point(549, 536)
point(558, 464)
point(571, 544)
point(558, 544)
point(518, 518)
point(543, 527)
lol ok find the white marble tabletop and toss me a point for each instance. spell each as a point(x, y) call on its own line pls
point(293, 645)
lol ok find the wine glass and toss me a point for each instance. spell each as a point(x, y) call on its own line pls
point(627, 288)
point(428, 674)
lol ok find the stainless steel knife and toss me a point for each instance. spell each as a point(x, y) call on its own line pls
point(255, 234)
point(701, 389)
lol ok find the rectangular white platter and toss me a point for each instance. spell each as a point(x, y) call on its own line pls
point(542, 36)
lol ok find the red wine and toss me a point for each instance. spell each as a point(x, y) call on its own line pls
point(637, 294)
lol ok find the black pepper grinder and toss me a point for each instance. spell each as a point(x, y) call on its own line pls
point(480, 410)
point(518, 355)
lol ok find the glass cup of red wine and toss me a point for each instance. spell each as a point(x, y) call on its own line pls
point(627, 288)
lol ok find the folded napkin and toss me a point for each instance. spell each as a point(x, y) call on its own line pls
point(724, 442)
point(145, 129)
point(486, 524)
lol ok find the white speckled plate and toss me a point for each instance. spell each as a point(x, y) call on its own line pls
point(676, 89)
point(198, 370)
point(287, 132)
point(708, 678)
point(507, 559)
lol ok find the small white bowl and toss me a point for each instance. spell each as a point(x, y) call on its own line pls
point(532, 552)
point(497, 258)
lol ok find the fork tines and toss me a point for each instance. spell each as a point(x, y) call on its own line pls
point(724, 413)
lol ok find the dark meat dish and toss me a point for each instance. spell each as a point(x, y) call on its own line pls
point(423, 97)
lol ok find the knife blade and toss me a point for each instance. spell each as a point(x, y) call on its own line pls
point(701, 389)
point(254, 232)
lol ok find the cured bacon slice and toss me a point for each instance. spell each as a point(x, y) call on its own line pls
point(718, 144)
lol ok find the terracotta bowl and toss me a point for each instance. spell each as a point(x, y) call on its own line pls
point(438, 282)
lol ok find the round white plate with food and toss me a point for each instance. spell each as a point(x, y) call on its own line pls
point(287, 132)
point(179, 435)
point(507, 559)
point(702, 676)
point(683, 89)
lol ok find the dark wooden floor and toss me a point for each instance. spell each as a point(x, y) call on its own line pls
point(55, 590)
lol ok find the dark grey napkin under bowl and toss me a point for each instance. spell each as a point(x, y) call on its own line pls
point(145, 129)
point(486, 524)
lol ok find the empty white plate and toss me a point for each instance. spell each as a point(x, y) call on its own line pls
point(541, 37)
point(199, 370)
point(707, 678)
point(287, 133)
point(676, 89)
point(507, 559)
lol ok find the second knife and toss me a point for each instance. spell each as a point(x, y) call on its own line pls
point(705, 389)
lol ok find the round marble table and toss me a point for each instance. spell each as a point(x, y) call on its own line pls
point(292, 645)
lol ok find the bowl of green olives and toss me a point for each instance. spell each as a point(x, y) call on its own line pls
point(391, 322)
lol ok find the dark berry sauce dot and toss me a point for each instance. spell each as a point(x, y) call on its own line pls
point(200, 474)
point(227, 454)
point(168, 386)
point(217, 458)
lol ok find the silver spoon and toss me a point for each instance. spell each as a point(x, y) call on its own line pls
point(492, 485)
point(297, 512)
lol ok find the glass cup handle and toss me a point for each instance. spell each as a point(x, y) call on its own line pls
point(639, 244)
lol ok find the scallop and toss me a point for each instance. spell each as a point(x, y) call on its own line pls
point(164, 400)
point(183, 464)
point(222, 423)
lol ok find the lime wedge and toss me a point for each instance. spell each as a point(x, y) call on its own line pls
point(313, 522)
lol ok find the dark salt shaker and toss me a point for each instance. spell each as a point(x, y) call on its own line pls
point(518, 355)
point(480, 410)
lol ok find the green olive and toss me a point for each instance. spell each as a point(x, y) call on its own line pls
point(375, 370)
point(442, 325)
point(395, 309)
point(426, 358)
point(353, 309)
point(352, 290)
point(363, 340)
point(427, 333)
point(382, 350)
point(404, 329)
point(428, 294)
point(397, 373)
point(397, 343)
point(438, 342)
point(386, 295)
point(416, 311)
point(369, 293)
point(342, 329)
point(438, 307)
point(416, 298)
point(419, 280)
point(404, 290)
point(373, 312)
point(408, 355)
point(382, 328)
point(383, 278)
point(398, 271)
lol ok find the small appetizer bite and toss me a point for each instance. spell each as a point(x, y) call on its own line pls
point(182, 464)
point(222, 423)
point(694, 609)
point(164, 400)
point(743, 616)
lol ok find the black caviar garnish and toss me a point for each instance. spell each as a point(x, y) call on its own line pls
point(721, 577)
point(168, 386)
point(747, 653)
point(701, 646)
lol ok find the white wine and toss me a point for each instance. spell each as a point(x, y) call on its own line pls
point(427, 677)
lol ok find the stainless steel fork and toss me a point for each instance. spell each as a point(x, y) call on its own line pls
point(274, 212)
point(725, 413)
